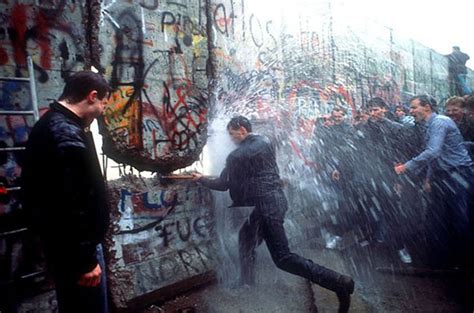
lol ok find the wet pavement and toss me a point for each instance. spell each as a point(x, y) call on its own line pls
point(383, 284)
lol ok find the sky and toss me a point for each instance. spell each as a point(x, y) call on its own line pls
point(438, 24)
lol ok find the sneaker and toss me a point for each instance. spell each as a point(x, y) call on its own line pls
point(332, 242)
point(405, 257)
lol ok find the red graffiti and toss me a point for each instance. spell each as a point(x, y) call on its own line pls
point(182, 121)
point(18, 24)
point(42, 29)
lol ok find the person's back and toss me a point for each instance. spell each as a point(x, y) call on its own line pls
point(458, 61)
point(457, 71)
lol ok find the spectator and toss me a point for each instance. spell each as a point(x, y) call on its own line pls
point(458, 71)
point(379, 145)
point(65, 196)
point(455, 108)
point(402, 117)
point(451, 176)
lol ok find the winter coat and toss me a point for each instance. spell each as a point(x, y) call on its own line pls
point(251, 172)
point(64, 193)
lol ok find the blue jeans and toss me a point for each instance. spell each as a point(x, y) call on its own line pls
point(73, 298)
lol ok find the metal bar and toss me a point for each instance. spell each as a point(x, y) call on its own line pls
point(34, 97)
point(179, 177)
point(17, 113)
point(17, 79)
point(13, 188)
point(13, 232)
point(12, 149)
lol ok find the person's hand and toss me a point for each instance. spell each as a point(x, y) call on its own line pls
point(196, 176)
point(92, 278)
point(335, 175)
point(400, 168)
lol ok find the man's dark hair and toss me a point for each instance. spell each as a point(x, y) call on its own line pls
point(425, 100)
point(469, 103)
point(339, 109)
point(240, 121)
point(377, 102)
point(80, 84)
point(402, 107)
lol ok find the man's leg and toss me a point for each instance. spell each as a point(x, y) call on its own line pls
point(457, 198)
point(277, 243)
point(249, 239)
point(437, 224)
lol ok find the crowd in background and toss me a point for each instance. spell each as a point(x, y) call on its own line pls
point(369, 161)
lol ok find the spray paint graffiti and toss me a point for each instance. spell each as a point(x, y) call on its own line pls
point(173, 234)
point(35, 30)
point(158, 109)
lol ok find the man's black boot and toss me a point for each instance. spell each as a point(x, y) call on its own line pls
point(342, 285)
point(344, 296)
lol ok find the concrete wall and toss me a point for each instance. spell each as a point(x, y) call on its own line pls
point(162, 235)
point(155, 57)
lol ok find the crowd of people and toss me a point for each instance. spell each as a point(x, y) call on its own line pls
point(401, 174)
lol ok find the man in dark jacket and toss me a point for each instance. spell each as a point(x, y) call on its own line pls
point(380, 144)
point(458, 71)
point(333, 150)
point(64, 193)
point(252, 177)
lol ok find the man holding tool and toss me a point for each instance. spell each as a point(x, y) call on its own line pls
point(251, 175)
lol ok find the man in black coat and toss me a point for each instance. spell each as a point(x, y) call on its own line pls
point(251, 175)
point(333, 149)
point(64, 193)
point(380, 142)
point(458, 71)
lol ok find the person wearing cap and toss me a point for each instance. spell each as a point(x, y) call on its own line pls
point(252, 177)
point(451, 180)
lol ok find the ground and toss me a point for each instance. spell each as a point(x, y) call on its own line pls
point(383, 284)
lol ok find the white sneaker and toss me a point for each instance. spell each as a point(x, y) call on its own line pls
point(405, 257)
point(332, 241)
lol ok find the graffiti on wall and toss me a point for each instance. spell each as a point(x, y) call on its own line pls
point(313, 67)
point(45, 32)
point(165, 235)
point(157, 116)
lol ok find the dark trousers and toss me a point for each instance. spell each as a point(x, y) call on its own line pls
point(73, 298)
point(378, 213)
point(266, 223)
point(449, 221)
